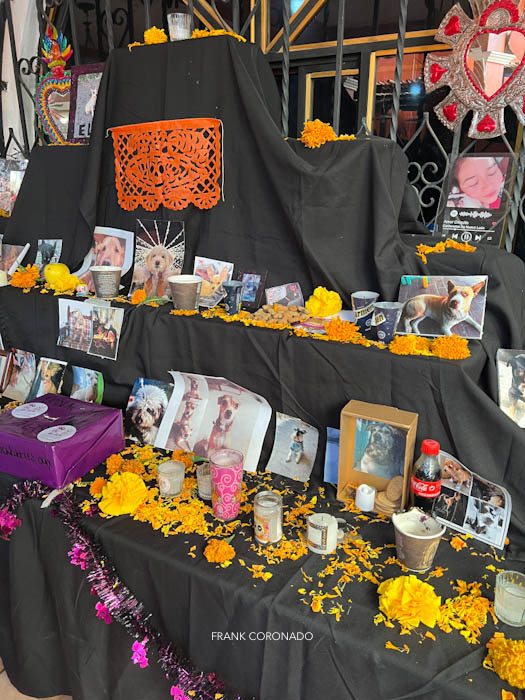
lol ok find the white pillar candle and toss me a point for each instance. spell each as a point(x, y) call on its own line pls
point(170, 476)
point(322, 533)
point(365, 497)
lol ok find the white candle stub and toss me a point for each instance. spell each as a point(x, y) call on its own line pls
point(322, 533)
point(365, 497)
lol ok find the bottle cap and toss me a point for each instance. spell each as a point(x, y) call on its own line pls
point(430, 447)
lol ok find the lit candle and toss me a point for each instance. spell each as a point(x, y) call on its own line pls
point(268, 517)
point(322, 533)
point(170, 476)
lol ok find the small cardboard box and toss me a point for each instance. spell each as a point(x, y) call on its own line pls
point(55, 439)
point(377, 443)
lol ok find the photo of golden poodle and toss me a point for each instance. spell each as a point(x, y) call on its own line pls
point(159, 254)
point(156, 271)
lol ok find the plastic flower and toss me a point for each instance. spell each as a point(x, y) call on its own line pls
point(123, 494)
point(139, 653)
point(219, 551)
point(25, 277)
point(8, 523)
point(154, 35)
point(96, 487)
point(323, 303)
point(103, 613)
point(506, 657)
point(177, 693)
point(138, 296)
point(450, 347)
point(409, 601)
point(316, 133)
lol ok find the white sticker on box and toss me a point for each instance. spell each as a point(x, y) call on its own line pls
point(56, 433)
point(29, 410)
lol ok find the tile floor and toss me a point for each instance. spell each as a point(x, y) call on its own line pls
point(8, 692)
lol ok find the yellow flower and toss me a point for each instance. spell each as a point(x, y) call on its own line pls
point(204, 33)
point(123, 494)
point(323, 303)
point(219, 551)
point(65, 283)
point(155, 36)
point(409, 601)
point(25, 277)
point(138, 296)
point(506, 657)
point(96, 487)
point(316, 133)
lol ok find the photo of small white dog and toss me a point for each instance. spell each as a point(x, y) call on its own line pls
point(88, 385)
point(159, 254)
point(379, 448)
point(146, 408)
point(296, 445)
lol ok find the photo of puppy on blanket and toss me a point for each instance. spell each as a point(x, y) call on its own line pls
point(379, 448)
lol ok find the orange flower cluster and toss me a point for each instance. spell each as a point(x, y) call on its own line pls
point(343, 331)
point(316, 133)
point(506, 657)
point(25, 277)
point(423, 250)
point(219, 551)
point(449, 347)
point(457, 543)
point(467, 612)
point(204, 33)
point(138, 296)
point(184, 457)
point(96, 487)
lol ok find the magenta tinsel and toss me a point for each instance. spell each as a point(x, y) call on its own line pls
point(117, 599)
point(103, 613)
point(8, 523)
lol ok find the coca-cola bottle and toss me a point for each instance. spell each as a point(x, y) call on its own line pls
point(425, 483)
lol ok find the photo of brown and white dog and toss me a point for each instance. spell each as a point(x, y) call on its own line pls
point(454, 475)
point(447, 311)
point(109, 251)
point(221, 429)
point(384, 452)
point(145, 410)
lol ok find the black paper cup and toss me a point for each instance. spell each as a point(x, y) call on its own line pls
point(386, 316)
point(363, 306)
point(233, 299)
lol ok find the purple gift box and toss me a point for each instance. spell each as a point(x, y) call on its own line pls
point(56, 439)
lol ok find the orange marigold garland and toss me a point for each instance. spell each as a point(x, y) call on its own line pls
point(205, 33)
point(506, 657)
point(410, 345)
point(450, 347)
point(423, 250)
point(25, 277)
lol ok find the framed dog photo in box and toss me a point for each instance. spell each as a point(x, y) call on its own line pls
point(376, 446)
point(511, 384)
point(253, 287)
point(443, 305)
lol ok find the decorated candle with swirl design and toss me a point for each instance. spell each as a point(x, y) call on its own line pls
point(226, 477)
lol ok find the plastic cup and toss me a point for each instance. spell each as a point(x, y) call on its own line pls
point(106, 280)
point(363, 306)
point(509, 598)
point(417, 538)
point(179, 26)
point(387, 315)
point(185, 291)
point(226, 483)
point(233, 300)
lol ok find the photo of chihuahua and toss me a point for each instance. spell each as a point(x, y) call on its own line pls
point(213, 273)
point(451, 506)
point(181, 430)
point(446, 306)
point(220, 434)
point(454, 475)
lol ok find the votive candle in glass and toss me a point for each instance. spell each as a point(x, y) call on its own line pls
point(226, 478)
point(170, 477)
point(204, 481)
point(268, 517)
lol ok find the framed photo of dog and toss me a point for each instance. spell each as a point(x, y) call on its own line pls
point(443, 305)
point(376, 446)
point(159, 253)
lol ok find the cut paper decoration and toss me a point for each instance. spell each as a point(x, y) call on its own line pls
point(168, 163)
point(112, 247)
point(294, 448)
point(159, 253)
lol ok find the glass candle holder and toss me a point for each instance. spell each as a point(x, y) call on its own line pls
point(268, 517)
point(226, 478)
point(204, 481)
point(170, 477)
point(179, 26)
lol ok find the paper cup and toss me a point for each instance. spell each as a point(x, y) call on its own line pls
point(185, 291)
point(179, 26)
point(363, 306)
point(226, 483)
point(417, 538)
point(386, 317)
point(106, 280)
point(233, 299)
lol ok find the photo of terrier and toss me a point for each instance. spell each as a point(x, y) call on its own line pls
point(436, 306)
point(146, 407)
point(294, 448)
point(159, 254)
point(511, 384)
point(88, 385)
point(379, 449)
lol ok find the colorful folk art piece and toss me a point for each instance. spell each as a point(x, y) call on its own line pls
point(168, 163)
point(485, 69)
point(53, 90)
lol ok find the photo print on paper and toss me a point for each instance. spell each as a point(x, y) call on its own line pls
point(294, 448)
point(443, 305)
point(107, 326)
point(475, 200)
point(285, 295)
point(48, 251)
point(213, 274)
point(253, 287)
point(85, 81)
point(379, 448)
point(146, 407)
point(112, 247)
point(75, 324)
point(12, 256)
point(451, 506)
point(511, 384)
point(88, 385)
point(48, 379)
point(159, 254)
point(454, 475)
point(22, 376)
point(485, 520)
point(11, 175)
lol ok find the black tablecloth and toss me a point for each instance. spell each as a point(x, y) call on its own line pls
point(51, 642)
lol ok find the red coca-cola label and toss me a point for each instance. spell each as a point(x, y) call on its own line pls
point(426, 489)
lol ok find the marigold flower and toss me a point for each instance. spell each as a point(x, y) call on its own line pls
point(219, 551)
point(316, 133)
point(450, 347)
point(410, 345)
point(123, 494)
point(114, 464)
point(323, 303)
point(506, 657)
point(138, 296)
point(96, 487)
point(343, 331)
point(132, 466)
point(205, 33)
point(457, 543)
point(182, 456)
point(409, 601)
point(25, 277)
point(154, 35)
